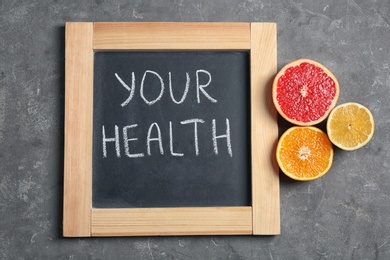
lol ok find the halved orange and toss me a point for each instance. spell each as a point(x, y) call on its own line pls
point(304, 92)
point(350, 126)
point(304, 153)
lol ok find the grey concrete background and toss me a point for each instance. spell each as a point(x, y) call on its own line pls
point(344, 215)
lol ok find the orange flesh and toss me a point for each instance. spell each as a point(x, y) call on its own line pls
point(304, 153)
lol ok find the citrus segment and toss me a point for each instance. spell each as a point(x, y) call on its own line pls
point(350, 126)
point(304, 92)
point(304, 153)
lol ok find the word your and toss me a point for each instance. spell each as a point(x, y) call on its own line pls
point(200, 88)
point(154, 137)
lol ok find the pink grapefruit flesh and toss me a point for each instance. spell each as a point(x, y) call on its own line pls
point(304, 92)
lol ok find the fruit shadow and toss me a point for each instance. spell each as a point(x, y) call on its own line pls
point(60, 65)
point(283, 125)
point(270, 109)
point(322, 126)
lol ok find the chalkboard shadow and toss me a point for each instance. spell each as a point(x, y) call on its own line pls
point(60, 68)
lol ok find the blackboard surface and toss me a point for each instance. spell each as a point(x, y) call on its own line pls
point(154, 146)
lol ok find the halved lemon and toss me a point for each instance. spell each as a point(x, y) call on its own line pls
point(350, 126)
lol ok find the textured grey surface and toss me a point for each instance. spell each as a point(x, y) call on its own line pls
point(344, 215)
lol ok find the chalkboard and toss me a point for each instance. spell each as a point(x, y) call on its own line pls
point(171, 129)
point(145, 153)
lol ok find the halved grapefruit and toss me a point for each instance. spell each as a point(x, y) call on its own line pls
point(304, 92)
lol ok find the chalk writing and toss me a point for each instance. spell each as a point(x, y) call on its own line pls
point(187, 87)
point(161, 88)
point(195, 121)
point(158, 138)
point(171, 142)
point(200, 88)
point(126, 141)
point(227, 136)
point(114, 139)
point(130, 89)
point(154, 138)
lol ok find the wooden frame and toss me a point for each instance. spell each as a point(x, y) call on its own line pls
point(82, 40)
